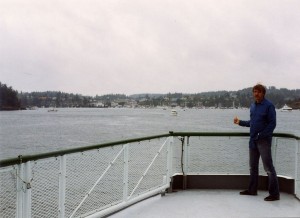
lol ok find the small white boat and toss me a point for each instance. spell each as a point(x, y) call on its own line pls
point(32, 108)
point(286, 108)
point(52, 110)
point(173, 112)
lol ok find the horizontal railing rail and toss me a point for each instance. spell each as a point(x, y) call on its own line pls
point(25, 158)
point(282, 135)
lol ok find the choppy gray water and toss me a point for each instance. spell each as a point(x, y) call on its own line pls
point(39, 131)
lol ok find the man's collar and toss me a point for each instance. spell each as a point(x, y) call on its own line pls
point(262, 102)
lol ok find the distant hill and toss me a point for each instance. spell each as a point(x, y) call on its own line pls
point(12, 100)
point(144, 95)
point(8, 98)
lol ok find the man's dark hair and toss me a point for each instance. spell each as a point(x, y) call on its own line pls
point(260, 88)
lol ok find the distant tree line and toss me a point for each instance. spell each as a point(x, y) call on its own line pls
point(8, 98)
point(11, 99)
point(53, 99)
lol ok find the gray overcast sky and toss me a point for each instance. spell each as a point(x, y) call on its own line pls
point(156, 46)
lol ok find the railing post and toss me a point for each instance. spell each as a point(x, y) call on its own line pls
point(187, 154)
point(62, 187)
point(27, 190)
point(297, 170)
point(170, 162)
point(185, 161)
point(125, 176)
point(20, 192)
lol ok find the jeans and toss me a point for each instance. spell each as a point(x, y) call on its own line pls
point(263, 149)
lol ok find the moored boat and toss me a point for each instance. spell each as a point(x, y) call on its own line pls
point(52, 110)
point(174, 112)
point(286, 108)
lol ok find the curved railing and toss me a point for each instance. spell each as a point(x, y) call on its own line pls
point(25, 158)
point(97, 180)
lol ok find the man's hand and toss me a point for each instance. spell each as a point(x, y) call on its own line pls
point(236, 121)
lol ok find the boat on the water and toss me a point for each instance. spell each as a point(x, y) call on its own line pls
point(174, 112)
point(32, 108)
point(52, 110)
point(286, 108)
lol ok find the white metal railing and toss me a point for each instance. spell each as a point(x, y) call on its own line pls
point(87, 184)
point(297, 171)
point(97, 182)
point(218, 155)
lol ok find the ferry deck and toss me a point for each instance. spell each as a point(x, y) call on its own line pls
point(212, 203)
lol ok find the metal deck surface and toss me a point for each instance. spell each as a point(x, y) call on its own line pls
point(212, 203)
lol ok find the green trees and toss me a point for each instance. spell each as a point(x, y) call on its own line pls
point(8, 98)
point(12, 100)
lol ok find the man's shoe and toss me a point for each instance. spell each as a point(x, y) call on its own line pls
point(272, 198)
point(246, 192)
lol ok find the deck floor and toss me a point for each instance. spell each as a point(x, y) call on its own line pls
point(212, 203)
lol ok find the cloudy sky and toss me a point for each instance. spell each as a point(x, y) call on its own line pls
point(155, 46)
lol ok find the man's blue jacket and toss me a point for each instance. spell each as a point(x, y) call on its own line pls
point(262, 121)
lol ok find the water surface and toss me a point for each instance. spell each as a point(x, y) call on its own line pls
point(38, 131)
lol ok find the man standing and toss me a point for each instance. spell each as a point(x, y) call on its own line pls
point(262, 124)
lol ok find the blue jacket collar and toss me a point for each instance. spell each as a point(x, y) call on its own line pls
point(262, 102)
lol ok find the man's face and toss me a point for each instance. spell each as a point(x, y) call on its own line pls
point(258, 95)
